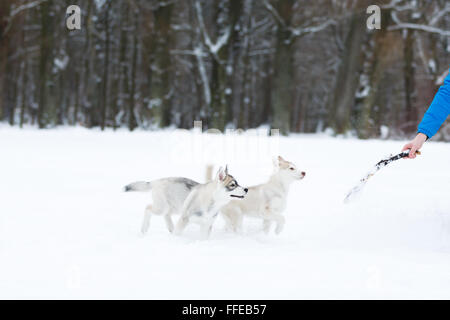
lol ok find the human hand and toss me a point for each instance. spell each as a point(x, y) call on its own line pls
point(415, 145)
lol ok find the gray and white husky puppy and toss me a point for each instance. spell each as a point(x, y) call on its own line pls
point(206, 200)
point(266, 201)
point(169, 195)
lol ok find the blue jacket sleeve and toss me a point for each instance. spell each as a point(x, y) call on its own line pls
point(438, 111)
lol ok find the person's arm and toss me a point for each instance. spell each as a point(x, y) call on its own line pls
point(433, 119)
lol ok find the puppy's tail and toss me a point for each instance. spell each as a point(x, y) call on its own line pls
point(138, 186)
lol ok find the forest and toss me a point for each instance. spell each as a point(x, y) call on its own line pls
point(296, 65)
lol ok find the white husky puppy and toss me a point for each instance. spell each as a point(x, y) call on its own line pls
point(168, 197)
point(266, 201)
point(205, 201)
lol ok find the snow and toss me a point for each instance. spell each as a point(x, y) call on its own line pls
point(384, 132)
point(99, 3)
point(61, 64)
point(154, 103)
point(223, 39)
point(364, 89)
point(68, 231)
point(432, 65)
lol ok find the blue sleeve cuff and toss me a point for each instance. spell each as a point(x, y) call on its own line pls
point(425, 132)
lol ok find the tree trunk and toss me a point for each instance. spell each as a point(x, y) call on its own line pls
point(343, 98)
point(160, 84)
point(232, 53)
point(105, 69)
point(408, 76)
point(44, 59)
point(132, 119)
point(282, 83)
point(283, 78)
point(4, 13)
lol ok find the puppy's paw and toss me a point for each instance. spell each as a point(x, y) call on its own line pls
point(279, 229)
point(142, 233)
point(266, 226)
point(144, 230)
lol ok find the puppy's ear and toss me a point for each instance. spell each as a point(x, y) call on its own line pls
point(282, 163)
point(275, 163)
point(220, 175)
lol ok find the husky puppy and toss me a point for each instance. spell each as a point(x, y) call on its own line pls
point(205, 201)
point(266, 201)
point(168, 197)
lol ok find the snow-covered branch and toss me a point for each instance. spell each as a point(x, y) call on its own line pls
point(25, 6)
point(400, 25)
point(199, 54)
point(395, 4)
point(214, 48)
point(299, 31)
point(305, 30)
point(439, 15)
point(261, 52)
point(420, 27)
point(275, 14)
point(203, 76)
point(189, 53)
point(18, 10)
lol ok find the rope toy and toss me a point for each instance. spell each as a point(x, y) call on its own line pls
point(383, 163)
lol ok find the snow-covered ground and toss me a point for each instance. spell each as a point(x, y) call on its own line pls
point(68, 231)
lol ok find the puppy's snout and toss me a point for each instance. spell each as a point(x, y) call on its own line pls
point(246, 190)
point(303, 173)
